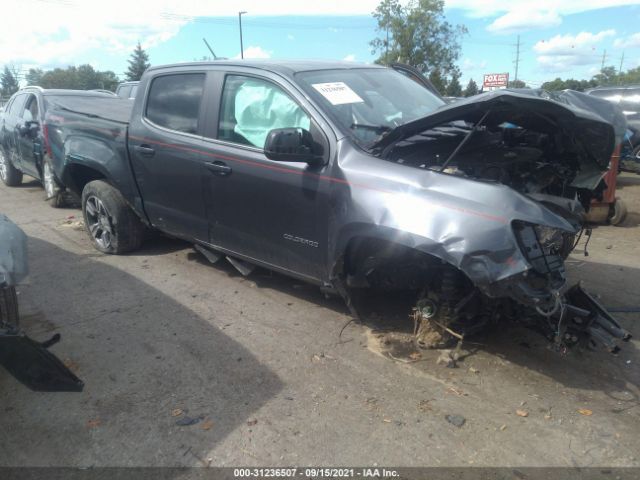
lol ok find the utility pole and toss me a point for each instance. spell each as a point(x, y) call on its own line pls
point(604, 58)
point(621, 61)
point(517, 58)
point(240, 24)
point(386, 53)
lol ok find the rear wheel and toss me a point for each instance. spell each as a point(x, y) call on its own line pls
point(618, 212)
point(8, 308)
point(112, 225)
point(52, 188)
point(9, 174)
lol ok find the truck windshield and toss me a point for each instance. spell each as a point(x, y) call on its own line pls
point(369, 103)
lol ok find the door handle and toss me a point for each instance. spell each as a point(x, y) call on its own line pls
point(219, 168)
point(145, 150)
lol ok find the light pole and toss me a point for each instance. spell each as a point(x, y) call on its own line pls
point(240, 23)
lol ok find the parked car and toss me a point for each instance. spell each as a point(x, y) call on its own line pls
point(127, 90)
point(355, 177)
point(628, 99)
point(28, 361)
point(24, 148)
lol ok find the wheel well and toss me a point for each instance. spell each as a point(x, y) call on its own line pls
point(379, 263)
point(79, 175)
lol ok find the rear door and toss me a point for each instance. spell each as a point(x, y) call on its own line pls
point(272, 212)
point(13, 118)
point(165, 145)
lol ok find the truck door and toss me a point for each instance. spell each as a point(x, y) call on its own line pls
point(165, 147)
point(273, 212)
point(29, 145)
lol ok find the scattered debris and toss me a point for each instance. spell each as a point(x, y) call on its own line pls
point(386, 420)
point(585, 411)
point(448, 358)
point(474, 370)
point(425, 406)
point(176, 412)
point(503, 428)
point(207, 425)
point(415, 356)
point(187, 421)
point(94, 423)
point(457, 420)
point(522, 413)
point(251, 423)
point(456, 391)
point(71, 365)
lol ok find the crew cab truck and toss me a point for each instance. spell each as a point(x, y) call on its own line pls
point(354, 177)
point(24, 148)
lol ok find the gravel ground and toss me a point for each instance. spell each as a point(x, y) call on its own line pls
point(160, 335)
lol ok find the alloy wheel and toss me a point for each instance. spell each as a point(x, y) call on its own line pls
point(99, 222)
point(3, 165)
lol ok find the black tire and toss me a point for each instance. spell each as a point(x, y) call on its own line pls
point(8, 308)
point(112, 225)
point(10, 175)
point(53, 189)
point(618, 212)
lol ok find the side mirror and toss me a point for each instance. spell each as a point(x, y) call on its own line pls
point(292, 145)
point(29, 128)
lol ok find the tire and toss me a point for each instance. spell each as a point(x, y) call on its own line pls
point(113, 226)
point(618, 212)
point(8, 308)
point(10, 175)
point(53, 190)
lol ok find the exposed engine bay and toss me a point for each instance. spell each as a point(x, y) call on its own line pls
point(540, 153)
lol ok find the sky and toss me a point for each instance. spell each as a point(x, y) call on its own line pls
point(559, 38)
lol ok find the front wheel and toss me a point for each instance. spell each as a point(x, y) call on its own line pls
point(10, 175)
point(113, 226)
point(52, 188)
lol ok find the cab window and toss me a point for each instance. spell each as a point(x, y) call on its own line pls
point(174, 101)
point(30, 112)
point(252, 107)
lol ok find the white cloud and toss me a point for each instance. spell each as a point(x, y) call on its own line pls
point(521, 15)
point(562, 52)
point(290, 37)
point(519, 21)
point(350, 58)
point(255, 52)
point(630, 42)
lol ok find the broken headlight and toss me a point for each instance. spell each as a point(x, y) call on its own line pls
point(541, 245)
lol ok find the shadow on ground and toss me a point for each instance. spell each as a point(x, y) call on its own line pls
point(147, 362)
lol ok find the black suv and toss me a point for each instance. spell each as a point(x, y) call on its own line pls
point(24, 145)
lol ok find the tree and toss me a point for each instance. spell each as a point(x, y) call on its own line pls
point(138, 63)
point(471, 89)
point(9, 81)
point(607, 76)
point(417, 34)
point(454, 89)
point(438, 82)
point(84, 77)
point(34, 76)
point(517, 84)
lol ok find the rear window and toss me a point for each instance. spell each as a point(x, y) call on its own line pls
point(174, 101)
point(123, 91)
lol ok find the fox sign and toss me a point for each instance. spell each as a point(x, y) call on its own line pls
point(495, 80)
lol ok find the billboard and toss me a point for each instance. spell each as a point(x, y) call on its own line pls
point(493, 81)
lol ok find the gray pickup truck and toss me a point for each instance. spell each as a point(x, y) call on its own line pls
point(354, 177)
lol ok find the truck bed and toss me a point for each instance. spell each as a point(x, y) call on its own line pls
point(114, 109)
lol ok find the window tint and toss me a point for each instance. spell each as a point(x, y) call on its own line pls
point(18, 103)
point(30, 112)
point(174, 101)
point(252, 107)
point(124, 90)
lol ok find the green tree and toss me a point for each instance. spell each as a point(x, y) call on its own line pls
point(454, 89)
point(517, 84)
point(607, 76)
point(417, 33)
point(471, 88)
point(34, 76)
point(84, 77)
point(9, 81)
point(138, 63)
point(438, 82)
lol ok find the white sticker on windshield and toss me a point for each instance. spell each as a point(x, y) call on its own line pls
point(338, 93)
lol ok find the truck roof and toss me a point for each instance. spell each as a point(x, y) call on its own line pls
point(284, 67)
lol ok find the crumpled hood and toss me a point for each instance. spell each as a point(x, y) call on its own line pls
point(596, 126)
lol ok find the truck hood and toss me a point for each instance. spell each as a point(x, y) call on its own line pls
point(594, 125)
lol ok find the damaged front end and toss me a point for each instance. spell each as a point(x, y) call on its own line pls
point(30, 362)
point(507, 178)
